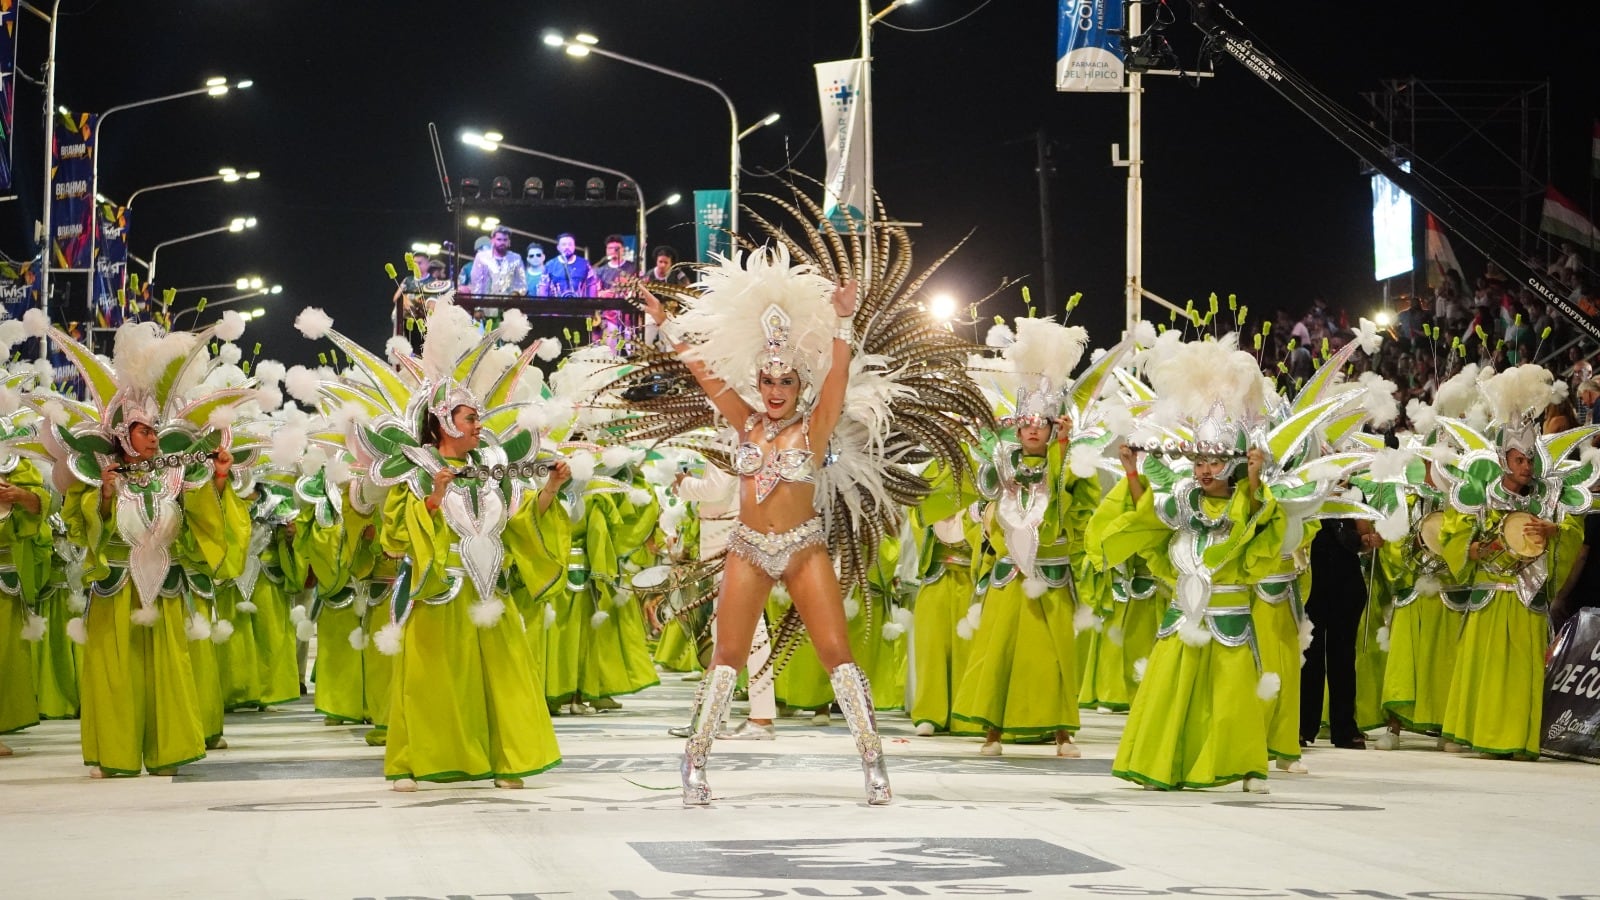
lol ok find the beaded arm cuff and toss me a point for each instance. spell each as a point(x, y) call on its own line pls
point(847, 330)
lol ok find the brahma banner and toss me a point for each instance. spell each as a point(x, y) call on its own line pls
point(1088, 55)
point(71, 194)
point(713, 211)
point(1572, 691)
point(8, 80)
point(111, 260)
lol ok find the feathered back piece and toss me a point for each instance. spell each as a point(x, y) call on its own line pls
point(760, 310)
point(1043, 355)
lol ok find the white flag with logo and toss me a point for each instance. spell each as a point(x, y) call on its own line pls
point(844, 127)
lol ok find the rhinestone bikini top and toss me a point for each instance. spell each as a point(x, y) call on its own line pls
point(793, 464)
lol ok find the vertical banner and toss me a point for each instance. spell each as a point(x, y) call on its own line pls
point(71, 194)
point(110, 264)
point(844, 129)
point(713, 210)
point(8, 79)
point(1088, 52)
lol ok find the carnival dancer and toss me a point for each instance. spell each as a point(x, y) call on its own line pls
point(465, 700)
point(791, 389)
point(1022, 671)
point(940, 633)
point(1510, 537)
point(25, 548)
point(151, 507)
point(779, 537)
point(1425, 618)
point(1197, 720)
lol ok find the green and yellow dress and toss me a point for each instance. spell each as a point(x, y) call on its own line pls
point(57, 657)
point(1022, 672)
point(25, 542)
point(140, 707)
point(465, 702)
point(1130, 602)
point(944, 594)
point(1497, 692)
point(616, 656)
point(1197, 721)
point(1278, 617)
point(1425, 622)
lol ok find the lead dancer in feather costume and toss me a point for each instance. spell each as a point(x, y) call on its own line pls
point(904, 399)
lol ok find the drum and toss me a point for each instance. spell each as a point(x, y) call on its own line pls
point(1513, 548)
point(1429, 531)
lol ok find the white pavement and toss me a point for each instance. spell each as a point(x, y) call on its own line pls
point(298, 810)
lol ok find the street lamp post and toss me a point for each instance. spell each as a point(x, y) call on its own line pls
point(671, 200)
point(227, 176)
point(868, 201)
point(235, 226)
point(586, 44)
point(492, 141)
point(240, 298)
point(214, 87)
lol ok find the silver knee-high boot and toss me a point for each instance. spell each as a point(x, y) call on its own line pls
point(708, 715)
point(855, 699)
point(683, 731)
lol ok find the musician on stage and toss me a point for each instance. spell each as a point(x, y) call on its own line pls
point(615, 275)
point(568, 275)
point(496, 270)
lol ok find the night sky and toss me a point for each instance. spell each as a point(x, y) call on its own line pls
point(1242, 193)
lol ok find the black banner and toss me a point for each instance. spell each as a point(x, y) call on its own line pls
point(1572, 691)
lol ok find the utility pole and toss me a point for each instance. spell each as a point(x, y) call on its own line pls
point(1047, 172)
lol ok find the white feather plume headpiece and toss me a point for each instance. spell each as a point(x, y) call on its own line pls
point(760, 311)
point(1517, 398)
point(1209, 387)
point(1043, 355)
point(451, 333)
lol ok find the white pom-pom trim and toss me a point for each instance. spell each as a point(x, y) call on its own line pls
point(33, 627)
point(1195, 634)
point(1139, 667)
point(246, 607)
point(297, 614)
point(313, 323)
point(36, 322)
point(852, 608)
point(1084, 619)
point(1383, 638)
point(964, 630)
point(1269, 685)
point(76, 630)
point(549, 349)
point(221, 631)
point(598, 619)
point(231, 328)
point(1114, 635)
point(358, 639)
point(486, 613)
point(305, 630)
point(892, 631)
point(549, 614)
point(199, 627)
point(1034, 588)
point(77, 601)
point(387, 640)
point(1306, 631)
point(145, 615)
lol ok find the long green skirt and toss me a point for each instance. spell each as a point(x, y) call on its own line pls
point(1278, 637)
point(338, 676)
point(1115, 651)
point(277, 645)
point(140, 709)
point(238, 658)
point(939, 655)
point(1423, 637)
point(465, 703)
point(207, 677)
point(1497, 695)
point(617, 660)
point(1197, 721)
point(19, 707)
point(56, 659)
point(1022, 674)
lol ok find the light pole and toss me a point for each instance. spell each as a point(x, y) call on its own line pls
point(248, 283)
point(671, 200)
point(240, 298)
point(226, 176)
point(214, 87)
point(490, 223)
point(868, 19)
point(586, 44)
point(492, 141)
point(233, 227)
